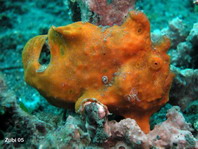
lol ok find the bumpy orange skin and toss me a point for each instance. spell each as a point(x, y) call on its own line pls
point(119, 66)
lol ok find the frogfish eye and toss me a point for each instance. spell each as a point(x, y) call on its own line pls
point(155, 63)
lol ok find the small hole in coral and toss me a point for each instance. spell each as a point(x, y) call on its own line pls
point(117, 118)
point(44, 58)
point(194, 56)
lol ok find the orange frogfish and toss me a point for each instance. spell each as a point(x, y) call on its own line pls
point(119, 66)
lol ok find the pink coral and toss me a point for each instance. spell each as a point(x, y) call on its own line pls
point(110, 13)
point(174, 132)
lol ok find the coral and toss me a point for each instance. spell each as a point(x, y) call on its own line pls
point(163, 12)
point(176, 31)
point(138, 72)
point(185, 56)
point(128, 132)
point(191, 114)
point(105, 12)
point(159, 116)
point(193, 36)
point(68, 136)
point(184, 88)
point(174, 132)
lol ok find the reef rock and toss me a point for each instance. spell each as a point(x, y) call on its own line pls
point(175, 132)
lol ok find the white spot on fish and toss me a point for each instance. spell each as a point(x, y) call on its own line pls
point(105, 80)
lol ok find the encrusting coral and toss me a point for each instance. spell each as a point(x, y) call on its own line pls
point(117, 66)
point(173, 133)
point(105, 12)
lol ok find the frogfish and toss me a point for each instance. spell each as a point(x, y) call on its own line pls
point(119, 67)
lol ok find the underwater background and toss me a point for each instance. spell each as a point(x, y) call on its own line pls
point(27, 120)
